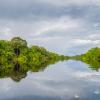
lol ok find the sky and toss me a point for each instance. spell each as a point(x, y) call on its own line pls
point(64, 26)
point(67, 27)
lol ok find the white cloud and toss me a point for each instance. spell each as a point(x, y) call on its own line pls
point(86, 41)
point(5, 33)
point(94, 37)
point(89, 76)
point(68, 2)
point(58, 24)
point(53, 2)
point(44, 26)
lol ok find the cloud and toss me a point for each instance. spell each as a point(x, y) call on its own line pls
point(62, 26)
point(94, 37)
point(57, 24)
point(64, 23)
point(29, 10)
point(41, 28)
point(15, 3)
point(83, 41)
point(68, 2)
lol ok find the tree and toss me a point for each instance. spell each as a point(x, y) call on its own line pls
point(17, 42)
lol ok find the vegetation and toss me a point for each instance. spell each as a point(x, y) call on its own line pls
point(16, 58)
point(92, 57)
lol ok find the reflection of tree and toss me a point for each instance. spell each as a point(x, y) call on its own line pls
point(92, 58)
point(16, 58)
point(17, 51)
point(18, 71)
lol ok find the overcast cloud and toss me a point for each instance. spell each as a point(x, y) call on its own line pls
point(58, 25)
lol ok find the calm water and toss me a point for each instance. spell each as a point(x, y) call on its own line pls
point(69, 80)
point(68, 27)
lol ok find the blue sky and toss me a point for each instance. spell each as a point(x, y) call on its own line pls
point(59, 25)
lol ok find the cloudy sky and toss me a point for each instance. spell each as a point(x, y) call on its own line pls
point(63, 26)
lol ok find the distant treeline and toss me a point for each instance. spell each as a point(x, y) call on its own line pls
point(17, 50)
point(91, 57)
point(16, 58)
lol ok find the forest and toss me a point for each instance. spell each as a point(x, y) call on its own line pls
point(91, 57)
point(17, 58)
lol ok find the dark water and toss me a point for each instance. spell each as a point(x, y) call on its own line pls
point(69, 80)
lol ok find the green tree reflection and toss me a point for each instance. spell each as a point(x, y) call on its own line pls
point(16, 58)
point(92, 58)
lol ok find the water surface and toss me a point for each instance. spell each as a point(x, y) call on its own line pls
point(68, 80)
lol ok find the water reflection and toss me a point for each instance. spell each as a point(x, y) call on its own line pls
point(93, 65)
point(17, 71)
point(17, 67)
point(71, 80)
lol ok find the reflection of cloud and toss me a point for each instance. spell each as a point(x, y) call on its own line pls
point(5, 85)
point(58, 25)
point(67, 82)
point(97, 92)
point(89, 76)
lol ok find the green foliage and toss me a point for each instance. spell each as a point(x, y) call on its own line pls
point(16, 58)
point(17, 42)
point(92, 57)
